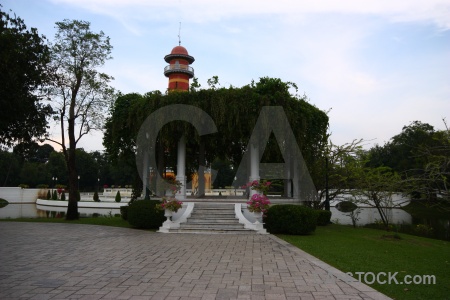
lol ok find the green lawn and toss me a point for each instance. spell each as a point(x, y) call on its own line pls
point(369, 250)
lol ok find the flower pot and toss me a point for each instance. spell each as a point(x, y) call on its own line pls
point(257, 216)
point(168, 214)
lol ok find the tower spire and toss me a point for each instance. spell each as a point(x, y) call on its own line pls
point(179, 35)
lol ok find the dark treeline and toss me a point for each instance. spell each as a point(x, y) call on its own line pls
point(38, 165)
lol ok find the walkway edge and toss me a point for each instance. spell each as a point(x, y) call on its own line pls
point(336, 273)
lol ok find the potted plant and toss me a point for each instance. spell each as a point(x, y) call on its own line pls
point(169, 206)
point(258, 203)
point(261, 187)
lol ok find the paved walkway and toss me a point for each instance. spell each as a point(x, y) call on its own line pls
point(69, 261)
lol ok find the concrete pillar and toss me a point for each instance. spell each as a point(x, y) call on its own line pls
point(181, 168)
point(201, 171)
point(296, 180)
point(254, 165)
point(145, 174)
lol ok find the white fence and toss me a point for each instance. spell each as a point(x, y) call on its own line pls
point(20, 195)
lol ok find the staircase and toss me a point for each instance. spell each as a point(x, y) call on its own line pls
point(213, 218)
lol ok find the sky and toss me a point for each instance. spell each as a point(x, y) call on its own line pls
point(374, 66)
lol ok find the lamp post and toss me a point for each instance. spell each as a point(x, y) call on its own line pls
point(98, 182)
point(78, 182)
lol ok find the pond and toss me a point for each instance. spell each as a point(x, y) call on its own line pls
point(31, 210)
point(434, 228)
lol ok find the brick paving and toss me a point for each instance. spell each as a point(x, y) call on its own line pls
point(71, 261)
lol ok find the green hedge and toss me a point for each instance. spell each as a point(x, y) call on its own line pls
point(291, 219)
point(143, 214)
point(323, 217)
point(124, 212)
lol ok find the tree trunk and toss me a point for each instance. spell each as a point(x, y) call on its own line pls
point(72, 208)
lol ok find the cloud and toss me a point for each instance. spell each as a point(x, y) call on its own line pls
point(434, 11)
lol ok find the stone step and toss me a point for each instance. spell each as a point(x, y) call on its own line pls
point(212, 220)
point(213, 231)
point(211, 226)
point(209, 209)
point(197, 215)
point(214, 204)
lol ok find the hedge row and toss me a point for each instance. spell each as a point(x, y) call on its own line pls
point(295, 219)
point(143, 214)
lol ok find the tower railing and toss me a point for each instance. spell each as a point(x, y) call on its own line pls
point(178, 68)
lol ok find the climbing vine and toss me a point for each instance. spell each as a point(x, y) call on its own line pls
point(234, 111)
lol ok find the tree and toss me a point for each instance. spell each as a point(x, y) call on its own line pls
point(374, 186)
point(335, 172)
point(401, 153)
point(57, 168)
point(81, 95)
point(235, 112)
point(431, 181)
point(23, 60)
point(10, 166)
point(33, 152)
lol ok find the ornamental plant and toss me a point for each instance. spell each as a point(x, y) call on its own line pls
point(118, 197)
point(259, 186)
point(258, 203)
point(170, 204)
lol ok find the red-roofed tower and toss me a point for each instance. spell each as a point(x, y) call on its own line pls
point(179, 70)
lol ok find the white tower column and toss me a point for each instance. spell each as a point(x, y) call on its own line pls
point(145, 174)
point(254, 165)
point(181, 168)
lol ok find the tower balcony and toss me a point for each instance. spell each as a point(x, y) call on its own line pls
point(178, 68)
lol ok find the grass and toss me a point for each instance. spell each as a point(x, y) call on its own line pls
point(105, 221)
point(370, 250)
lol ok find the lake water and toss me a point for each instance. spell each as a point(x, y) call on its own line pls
point(367, 215)
point(31, 210)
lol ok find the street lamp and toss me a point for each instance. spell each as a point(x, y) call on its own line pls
point(54, 179)
point(78, 182)
point(98, 182)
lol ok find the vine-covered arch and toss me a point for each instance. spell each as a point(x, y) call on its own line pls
point(234, 112)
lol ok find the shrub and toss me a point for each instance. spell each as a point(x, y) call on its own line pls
point(95, 197)
point(144, 214)
point(323, 217)
point(78, 196)
point(23, 185)
point(49, 195)
point(291, 219)
point(63, 196)
point(124, 212)
point(42, 186)
point(346, 206)
point(3, 202)
point(118, 197)
point(55, 195)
